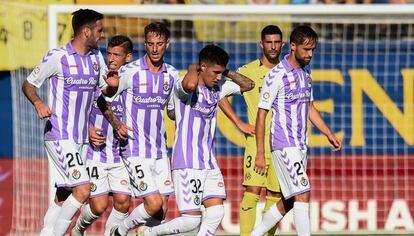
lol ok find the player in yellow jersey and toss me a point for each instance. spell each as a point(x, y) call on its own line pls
point(271, 43)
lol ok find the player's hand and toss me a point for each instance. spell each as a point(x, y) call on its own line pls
point(112, 78)
point(335, 142)
point(260, 164)
point(121, 131)
point(96, 139)
point(247, 128)
point(43, 110)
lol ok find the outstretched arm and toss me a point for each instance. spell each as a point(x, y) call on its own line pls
point(244, 127)
point(316, 119)
point(244, 82)
point(120, 128)
point(43, 110)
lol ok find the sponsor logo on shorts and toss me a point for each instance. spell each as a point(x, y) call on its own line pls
point(95, 66)
point(167, 183)
point(303, 181)
point(142, 186)
point(76, 174)
point(124, 182)
point(197, 200)
point(93, 187)
point(220, 184)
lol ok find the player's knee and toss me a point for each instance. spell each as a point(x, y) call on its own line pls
point(81, 192)
point(153, 204)
point(98, 207)
point(122, 203)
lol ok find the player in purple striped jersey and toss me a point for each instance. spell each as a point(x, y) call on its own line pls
point(145, 86)
point(196, 174)
point(106, 171)
point(288, 92)
point(73, 72)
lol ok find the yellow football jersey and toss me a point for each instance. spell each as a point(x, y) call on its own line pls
point(256, 71)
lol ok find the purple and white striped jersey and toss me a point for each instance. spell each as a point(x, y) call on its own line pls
point(144, 96)
point(195, 124)
point(109, 152)
point(288, 92)
point(72, 82)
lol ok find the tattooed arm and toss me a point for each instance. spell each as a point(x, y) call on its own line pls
point(121, 129)
point(244, 82)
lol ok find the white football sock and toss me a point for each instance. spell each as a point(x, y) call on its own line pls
point(211, 220)
point(86, 218)
point(68, 210)
point(270, 219)
point(115, 218)
point(49, 219)
point(301, 218)
point(138, 216)
point(182, 224)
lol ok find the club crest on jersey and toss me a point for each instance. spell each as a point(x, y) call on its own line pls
point(166, 86)
point(303, 182)
point(93, 187)
point(95, 66)
point(215, 94)
point(197, 200)
point(76, 174)
point(142, 186)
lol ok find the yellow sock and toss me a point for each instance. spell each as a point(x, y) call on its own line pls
point(248, 213)
point(270, 201)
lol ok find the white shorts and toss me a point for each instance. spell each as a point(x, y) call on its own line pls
point(108, 178)
point(290, 164)
point(68, 160)
point(193, 187)
point(149, 176)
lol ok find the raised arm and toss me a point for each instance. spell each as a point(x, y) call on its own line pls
point(260, 163)
point(316, 119)
point(112, 81)
point(244, 127)
point(43, 110)
point(244, 82)
point(190, 80)
point(120, 128)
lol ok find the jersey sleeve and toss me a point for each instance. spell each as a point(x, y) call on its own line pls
point(179, 90)
point(47, 68)
point(102, 71)
point(228, 88)
point(273, 82)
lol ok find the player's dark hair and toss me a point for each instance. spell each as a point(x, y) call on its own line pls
point(159, 28)
point(302, 34)
point(121, 41)
point(212, 54)
point(84, 17)
point(270, 30)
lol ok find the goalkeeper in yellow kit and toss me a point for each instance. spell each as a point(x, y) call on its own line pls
point(271, 43)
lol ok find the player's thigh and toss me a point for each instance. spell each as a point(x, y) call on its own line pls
point(189, 188)
point(250, 177)
point(98, 176)
point(291, 172)
point(141, 176)
point(163, 179)
point(118, 179)
point(68, 161)
point(272, 182)
point(214, 185)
